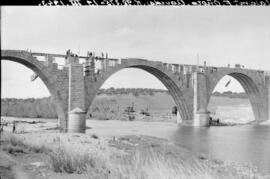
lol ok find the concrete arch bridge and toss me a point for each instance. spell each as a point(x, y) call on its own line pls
point(74, 85)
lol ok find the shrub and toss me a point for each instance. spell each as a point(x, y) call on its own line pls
point(20, 146)
point(63, 160)
point(94, 136)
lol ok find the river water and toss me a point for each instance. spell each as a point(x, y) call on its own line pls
point(247, 144)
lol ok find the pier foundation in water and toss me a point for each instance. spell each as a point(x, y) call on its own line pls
point(76, 122)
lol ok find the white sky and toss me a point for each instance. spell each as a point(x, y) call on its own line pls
point(220, 35)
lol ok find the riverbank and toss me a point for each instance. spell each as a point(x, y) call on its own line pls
point(56, 155)
point(157, 107)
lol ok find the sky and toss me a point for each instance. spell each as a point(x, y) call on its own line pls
point(218, 35)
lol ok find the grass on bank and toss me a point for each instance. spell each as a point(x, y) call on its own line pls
point(12, 144)
point(151, 162)
point(63, 160)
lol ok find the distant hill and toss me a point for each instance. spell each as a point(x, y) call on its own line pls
point(230, 94)
point(44, 107)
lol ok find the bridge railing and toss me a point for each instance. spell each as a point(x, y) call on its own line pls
point(105, 63)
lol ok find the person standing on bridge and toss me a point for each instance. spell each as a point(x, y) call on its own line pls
point(68, 53)
point(210, 120)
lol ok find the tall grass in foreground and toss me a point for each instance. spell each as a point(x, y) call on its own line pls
point(155, 165)
point(143, 163)
point(63, 160)
point(17, 145)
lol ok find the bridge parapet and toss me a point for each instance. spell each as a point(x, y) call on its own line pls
point(267, 73)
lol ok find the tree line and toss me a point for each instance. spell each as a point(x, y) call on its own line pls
point(44, 107)
point(28, 108)
point(231, 94)
point(133, 91)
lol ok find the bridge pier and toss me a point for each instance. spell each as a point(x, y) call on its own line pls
point(76, 121)
point(200, 100)
point(76, 104)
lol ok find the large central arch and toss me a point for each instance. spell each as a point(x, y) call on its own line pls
point(43, 73)
point(166, 77)
point(251, 85)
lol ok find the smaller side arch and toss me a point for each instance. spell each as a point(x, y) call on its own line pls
point(251, 86)
point(32, 63)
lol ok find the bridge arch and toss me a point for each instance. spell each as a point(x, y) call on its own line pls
point(166, 77)
point(252, 85)
point(43, 73)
